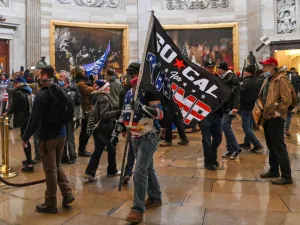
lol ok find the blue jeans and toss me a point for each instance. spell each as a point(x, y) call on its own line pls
point(250, 137)
point(144, 178)
point(211, 129)
point(288, 120)
point(130, 161)
point(232, 144)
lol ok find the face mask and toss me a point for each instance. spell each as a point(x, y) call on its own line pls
point(267, 74)
point(61, 83)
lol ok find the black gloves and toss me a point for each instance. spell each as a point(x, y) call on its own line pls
point(119, 128)
point(145, 110)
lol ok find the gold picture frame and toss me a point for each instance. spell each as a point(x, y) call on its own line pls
point(123, 27)
point(235, 35)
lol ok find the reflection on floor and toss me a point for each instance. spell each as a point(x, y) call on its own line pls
point(233, 195)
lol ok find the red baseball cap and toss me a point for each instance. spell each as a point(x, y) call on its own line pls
point(269, 61)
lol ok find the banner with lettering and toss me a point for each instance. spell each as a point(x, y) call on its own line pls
point(197, 92)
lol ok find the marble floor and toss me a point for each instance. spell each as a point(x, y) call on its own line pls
point(233, 195)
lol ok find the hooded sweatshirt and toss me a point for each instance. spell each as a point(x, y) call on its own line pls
point(20, 105)
point(115, 88)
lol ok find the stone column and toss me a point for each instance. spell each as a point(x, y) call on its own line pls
point(143, 21)
point(254, 26)
point(33, 32)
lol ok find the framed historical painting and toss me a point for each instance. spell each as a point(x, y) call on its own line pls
point(80, 44)
point(202, 42)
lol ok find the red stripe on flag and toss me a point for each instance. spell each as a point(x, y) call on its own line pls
point(203, 106)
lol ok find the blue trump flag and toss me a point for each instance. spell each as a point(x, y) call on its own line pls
point(96, 67)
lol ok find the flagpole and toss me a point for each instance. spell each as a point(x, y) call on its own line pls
point(128, 130)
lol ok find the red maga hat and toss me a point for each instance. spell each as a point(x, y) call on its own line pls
point(270, 61)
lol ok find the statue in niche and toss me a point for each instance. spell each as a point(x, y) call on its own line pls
point(286, 16)
point(251, 60)
point(4, 3)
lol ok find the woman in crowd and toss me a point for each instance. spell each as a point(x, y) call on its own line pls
point(106, 117)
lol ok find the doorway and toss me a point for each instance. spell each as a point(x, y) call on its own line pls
point(288, 58)
point(4, 55)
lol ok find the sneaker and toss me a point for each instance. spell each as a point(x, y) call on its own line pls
point(114, 174)
point(134, 217)
point(149, 203)
point(183, 142)
point(287, 133)
point(256, 149)
point(244, 146)
point(72, 160)
point(28, 169)
point(209, 166)
point(36, 160)
point(235, 154)
point(269, 174)
point(67, 200)
point(90, 178)
point(226, 154)
point(165, 144)
point(125, 179)
point(282, 181)
point(43, 208)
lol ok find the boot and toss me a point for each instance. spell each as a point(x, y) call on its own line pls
point(43, 208)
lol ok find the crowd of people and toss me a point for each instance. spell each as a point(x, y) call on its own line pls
point(51, 106)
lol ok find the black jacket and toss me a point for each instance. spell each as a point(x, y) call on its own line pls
point(232, 82)
point(20, 106)
point(249, 92)
point(74, 94)
point(40, 111)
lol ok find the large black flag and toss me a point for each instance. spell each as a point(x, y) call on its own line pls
point(196, 91)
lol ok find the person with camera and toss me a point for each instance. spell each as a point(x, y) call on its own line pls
point(276, 97)
point(49, 116)
point(147, 111)
point(69, 154)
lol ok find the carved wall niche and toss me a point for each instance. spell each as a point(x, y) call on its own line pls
point(93, 3)
point(196, 4)
point(286, 16)
point(4, 3)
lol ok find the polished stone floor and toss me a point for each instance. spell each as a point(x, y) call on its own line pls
point(233, 195)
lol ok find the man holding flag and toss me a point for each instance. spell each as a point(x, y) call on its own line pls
point(194, 90)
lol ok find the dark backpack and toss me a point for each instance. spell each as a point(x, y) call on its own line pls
point(61, 109)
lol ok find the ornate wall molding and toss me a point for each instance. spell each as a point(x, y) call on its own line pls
point(93, 3)
point(4, 3)
point(286, 16)
point(196, 4)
